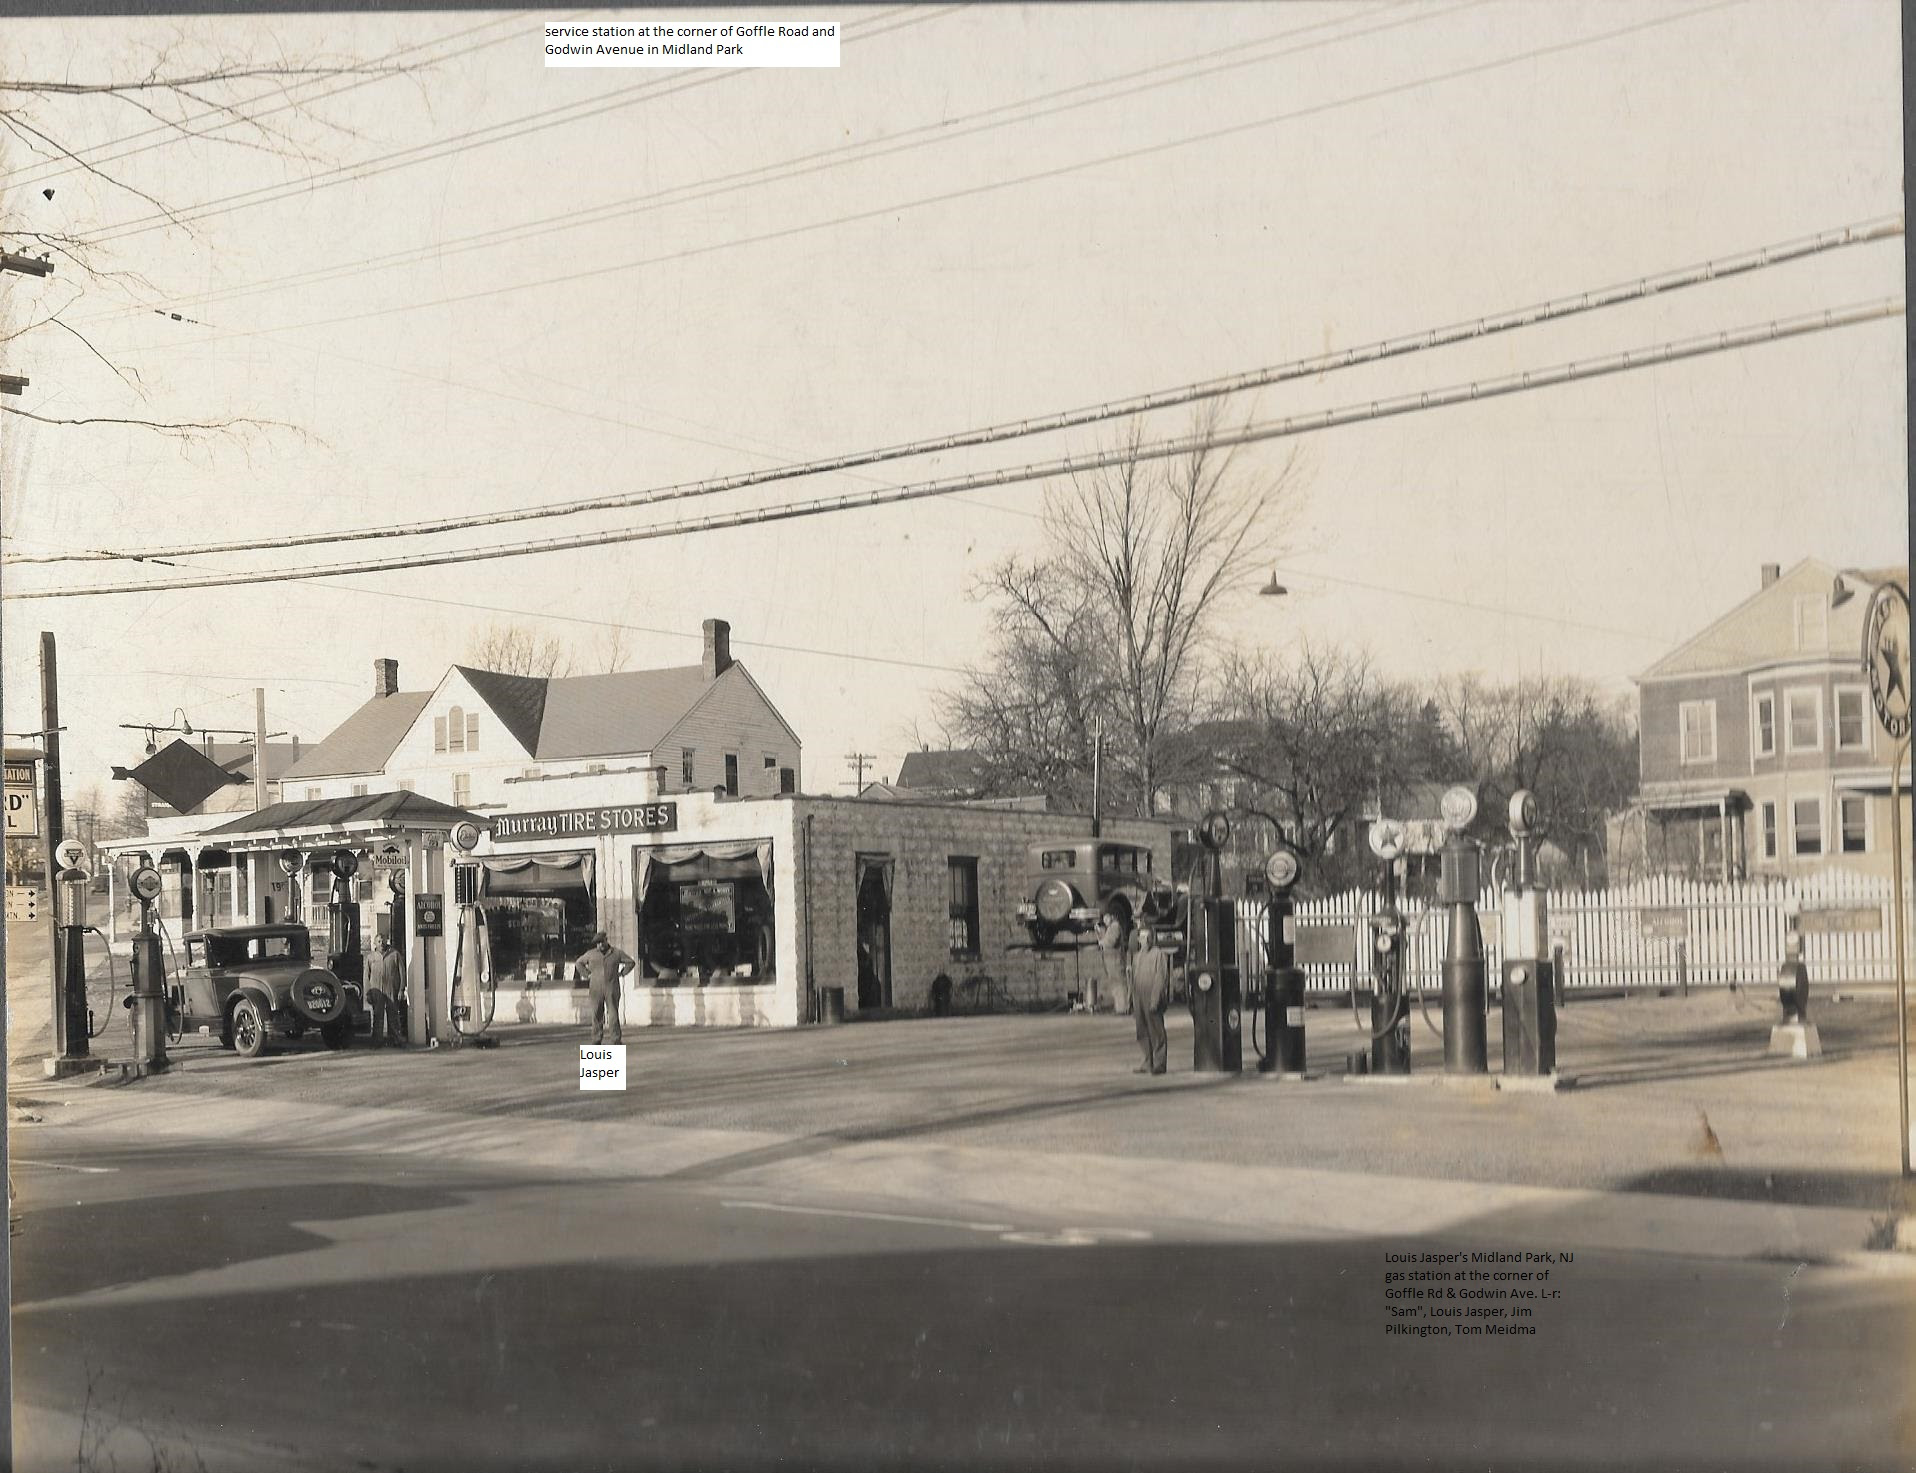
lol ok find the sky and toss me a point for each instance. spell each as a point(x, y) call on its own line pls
point(982, 214)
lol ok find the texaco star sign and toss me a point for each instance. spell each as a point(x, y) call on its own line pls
point(1886, 654)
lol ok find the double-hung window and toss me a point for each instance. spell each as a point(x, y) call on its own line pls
point(1764, 720)
point(1697, 723)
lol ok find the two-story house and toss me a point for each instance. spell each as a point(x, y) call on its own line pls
point(1761, 751)
point(478, 737)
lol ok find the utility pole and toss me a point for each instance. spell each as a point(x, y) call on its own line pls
point(857, 761)
point(259, 747)
point(69, 1012)
point(14, 383)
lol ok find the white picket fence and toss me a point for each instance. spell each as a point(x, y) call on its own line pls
point(1657, 933)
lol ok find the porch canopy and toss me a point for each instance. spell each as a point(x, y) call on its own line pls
point(321, 820)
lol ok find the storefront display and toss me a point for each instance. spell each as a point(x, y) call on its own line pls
point(705, 914)
point(541, 911)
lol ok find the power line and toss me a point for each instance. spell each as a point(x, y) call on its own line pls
point(892, 210)
point(1561, 307)
point(519, 127)
point(943, 131)
point(1416, 403)
point(176, 129)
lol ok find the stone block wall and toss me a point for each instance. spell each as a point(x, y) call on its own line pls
point(921, 839)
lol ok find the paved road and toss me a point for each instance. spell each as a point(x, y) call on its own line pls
point(259, 1310)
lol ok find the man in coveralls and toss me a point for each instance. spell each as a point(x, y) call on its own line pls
point(602, 968)
point(1150, 990)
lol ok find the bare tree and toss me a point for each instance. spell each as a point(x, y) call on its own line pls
point(1108, 629)
point(1311, 743)
point(513, 649)
point(611, 654)
point(186, 94)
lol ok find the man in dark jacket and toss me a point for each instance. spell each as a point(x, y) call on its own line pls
point(387, 995)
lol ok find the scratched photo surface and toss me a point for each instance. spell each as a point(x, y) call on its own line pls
point(1085, 736)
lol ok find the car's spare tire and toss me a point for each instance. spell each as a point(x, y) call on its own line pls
point(319, 997)
point(1054, 902)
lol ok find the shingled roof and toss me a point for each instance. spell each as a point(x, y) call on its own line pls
point(365, 739)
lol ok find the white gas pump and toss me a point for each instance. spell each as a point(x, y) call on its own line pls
point(474, 998)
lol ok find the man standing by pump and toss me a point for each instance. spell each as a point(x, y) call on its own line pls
point(602, 967)
point(1150, 991)
point(387, 995)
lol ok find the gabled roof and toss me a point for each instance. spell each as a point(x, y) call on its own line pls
point(1760, 630)
point(519, 701)
point(628, 711)
point(237, 758)
point(365, 739)
point(942, 771)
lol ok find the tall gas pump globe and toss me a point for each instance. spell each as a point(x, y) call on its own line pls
point(1466, 979)
point(1216, 987)
point(1390, 999)
point(148, 1001)
point(1283, 979)
point(1529, 983)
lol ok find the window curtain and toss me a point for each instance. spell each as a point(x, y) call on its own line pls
point(533, 874)
point(882, 864)
point(704, 861)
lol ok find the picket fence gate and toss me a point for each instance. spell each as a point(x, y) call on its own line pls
point(1661, 932)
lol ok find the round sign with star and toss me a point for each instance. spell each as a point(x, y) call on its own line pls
point(1886, 655)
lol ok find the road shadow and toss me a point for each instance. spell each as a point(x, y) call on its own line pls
point(925, 1353)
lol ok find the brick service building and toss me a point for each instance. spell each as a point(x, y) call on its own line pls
point(741, 911)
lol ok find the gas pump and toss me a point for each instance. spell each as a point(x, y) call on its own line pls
point(1530, 1009)
point(70, 886)
point(1283, 1051)
point(1466, 975)
point(1389, 999)
point(345, 957)
point(149, 977)
point(1211, 968)
point(473, 997)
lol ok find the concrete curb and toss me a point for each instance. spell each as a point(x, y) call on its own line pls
point(1261, 1201)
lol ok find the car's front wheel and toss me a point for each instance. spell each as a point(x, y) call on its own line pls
point(247, 1026)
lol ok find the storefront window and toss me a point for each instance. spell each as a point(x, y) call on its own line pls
point(540, 914)
point(705, 914)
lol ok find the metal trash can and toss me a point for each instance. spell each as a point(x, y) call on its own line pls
point(831, 1005)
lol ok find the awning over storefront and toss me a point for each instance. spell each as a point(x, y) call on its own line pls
point(748, 859)
point(534, 875)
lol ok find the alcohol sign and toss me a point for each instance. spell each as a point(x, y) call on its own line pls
point(23, 807)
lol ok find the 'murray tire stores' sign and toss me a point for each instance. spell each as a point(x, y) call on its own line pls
point(585, 823)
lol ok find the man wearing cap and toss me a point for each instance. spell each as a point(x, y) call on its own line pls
point(602, 967)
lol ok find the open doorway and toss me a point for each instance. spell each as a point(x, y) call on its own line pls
point(874, 930)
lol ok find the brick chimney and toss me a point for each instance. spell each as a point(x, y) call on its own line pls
point(718, 648)
point(385, 677)
point(1771, 572)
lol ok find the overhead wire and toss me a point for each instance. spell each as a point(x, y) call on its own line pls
point(1404, 404)
point(234, 116)
point(522, 126)
point(945, 130)
point(892, 210)
point(1576, 304)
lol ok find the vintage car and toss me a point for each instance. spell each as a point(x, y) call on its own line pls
point(254, 985)
point(1070, 883)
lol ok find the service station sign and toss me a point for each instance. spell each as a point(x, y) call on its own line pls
point(587, 823)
